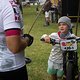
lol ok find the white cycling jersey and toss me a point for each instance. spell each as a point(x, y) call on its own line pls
point(10, 17)
point(56, 53)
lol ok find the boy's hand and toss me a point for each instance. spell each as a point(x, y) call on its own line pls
point(42, 37)
point(45, 38)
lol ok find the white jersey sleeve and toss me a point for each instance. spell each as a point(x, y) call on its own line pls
point(11, 15)
point(54, 36)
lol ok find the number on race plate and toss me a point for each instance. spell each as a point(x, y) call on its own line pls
point(68, 45)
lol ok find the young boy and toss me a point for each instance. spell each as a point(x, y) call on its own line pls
point(55, 61)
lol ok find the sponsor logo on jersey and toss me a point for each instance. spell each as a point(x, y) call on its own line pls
point(16, 10)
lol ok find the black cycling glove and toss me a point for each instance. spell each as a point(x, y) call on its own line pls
point(30, 39)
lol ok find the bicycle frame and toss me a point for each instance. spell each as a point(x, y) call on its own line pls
point(70, 59)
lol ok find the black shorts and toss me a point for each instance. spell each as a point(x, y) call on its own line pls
point(18, 74)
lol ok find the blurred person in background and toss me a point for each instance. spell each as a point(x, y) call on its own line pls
point(46, 8)
point(59, 8)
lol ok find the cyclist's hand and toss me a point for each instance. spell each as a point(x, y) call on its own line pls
point(30, 41)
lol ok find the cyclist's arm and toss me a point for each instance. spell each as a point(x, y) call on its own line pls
point(14, 41)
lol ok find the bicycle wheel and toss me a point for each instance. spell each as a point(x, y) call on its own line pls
point(70, 72)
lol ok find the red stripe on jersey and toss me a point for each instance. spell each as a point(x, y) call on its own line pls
point(59, 33)
point(12, 32)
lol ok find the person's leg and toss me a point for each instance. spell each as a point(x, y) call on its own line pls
point(47, 18)
point(51, 70)
point(21, 74)
point(53, 77)
point(60, 74)
point(18, 74)
point(37, 8)
point(59, 78)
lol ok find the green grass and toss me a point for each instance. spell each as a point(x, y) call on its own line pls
point(38, 52)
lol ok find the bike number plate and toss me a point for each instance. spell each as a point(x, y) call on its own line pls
point(68, 45)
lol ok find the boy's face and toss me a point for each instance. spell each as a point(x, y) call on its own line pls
point(63, 27)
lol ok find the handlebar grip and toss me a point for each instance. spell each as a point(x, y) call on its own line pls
point(78, 39)
point(52, 41)
point(70, 38)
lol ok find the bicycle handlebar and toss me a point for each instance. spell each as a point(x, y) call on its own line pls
point(78, 39)
point(54, 41)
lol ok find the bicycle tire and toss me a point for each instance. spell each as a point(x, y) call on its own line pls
point(70, 72)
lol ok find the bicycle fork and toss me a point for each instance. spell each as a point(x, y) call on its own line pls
point(70, 59)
